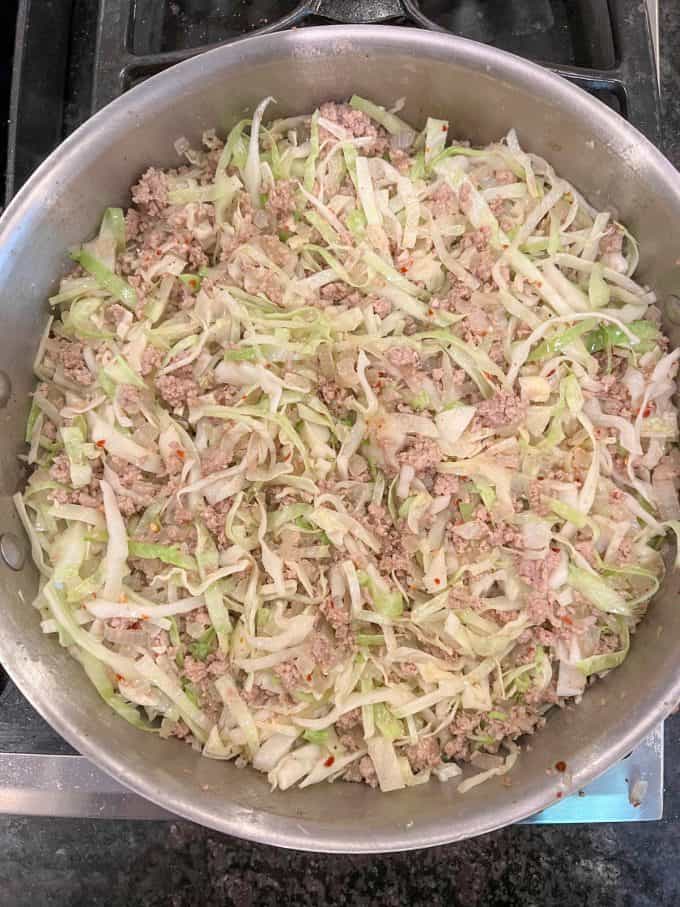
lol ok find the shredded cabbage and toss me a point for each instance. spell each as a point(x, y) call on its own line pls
point(372, 465)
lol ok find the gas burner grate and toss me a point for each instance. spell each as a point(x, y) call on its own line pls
point(72, 63)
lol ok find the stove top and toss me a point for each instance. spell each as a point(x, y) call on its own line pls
point(73, 56)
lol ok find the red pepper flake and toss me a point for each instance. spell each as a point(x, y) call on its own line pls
point(555, 548)
point(101, 444)
point(437, 581)
point(567, 620)
point(180, 453)
point(561, 766)
point(158, 253)
point(119, 677)
point(403, 270)
point(445, 127)
point(309, 677)
point(559, 795)
point(329, 761)
point(430, 312)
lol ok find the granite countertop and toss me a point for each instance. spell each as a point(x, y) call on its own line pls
point(68, 862)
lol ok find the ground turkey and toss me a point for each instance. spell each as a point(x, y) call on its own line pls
point(500, 411)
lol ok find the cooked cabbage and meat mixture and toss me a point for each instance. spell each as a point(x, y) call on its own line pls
point(353, 450)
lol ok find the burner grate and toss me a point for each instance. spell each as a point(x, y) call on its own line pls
point(82, 56)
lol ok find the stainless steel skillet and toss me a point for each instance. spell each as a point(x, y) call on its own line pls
point(483, 92)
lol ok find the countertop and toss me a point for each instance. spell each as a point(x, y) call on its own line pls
point(71, 863)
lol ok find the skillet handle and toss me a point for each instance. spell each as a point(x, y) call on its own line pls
point(367, 12)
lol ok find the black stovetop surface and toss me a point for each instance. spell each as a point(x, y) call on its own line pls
point(8, 16)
